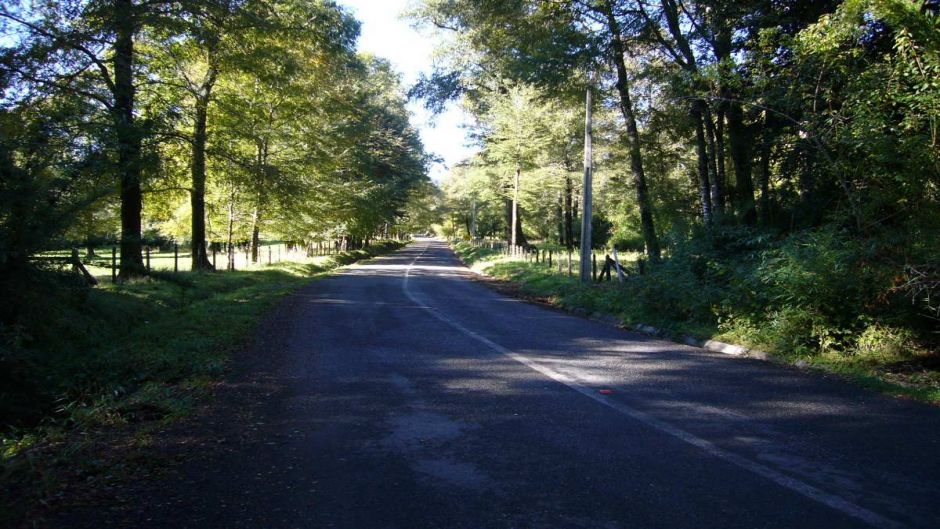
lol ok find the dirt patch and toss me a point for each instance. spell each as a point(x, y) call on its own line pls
point(514, 290)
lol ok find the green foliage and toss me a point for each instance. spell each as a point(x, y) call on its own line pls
point(471, 254)
point(705, 291)
point(260, 110)
point(78, 360)
point(792, 157)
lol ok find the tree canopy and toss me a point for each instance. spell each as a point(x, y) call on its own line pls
point(728, 134)
point(200, 121)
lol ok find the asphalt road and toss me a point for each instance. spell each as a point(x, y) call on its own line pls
point(410, 396)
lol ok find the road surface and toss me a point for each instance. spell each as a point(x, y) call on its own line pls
point(407, 395)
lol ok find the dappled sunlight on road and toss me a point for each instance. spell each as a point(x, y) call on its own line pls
point(403, 267)
point(408, 380)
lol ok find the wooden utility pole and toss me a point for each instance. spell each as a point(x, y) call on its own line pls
point(586, 206)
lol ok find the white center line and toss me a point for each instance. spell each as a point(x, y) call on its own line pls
point(830, 500)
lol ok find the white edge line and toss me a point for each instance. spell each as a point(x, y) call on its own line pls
point(830, 500)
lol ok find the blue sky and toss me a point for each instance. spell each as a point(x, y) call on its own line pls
point(384, 34)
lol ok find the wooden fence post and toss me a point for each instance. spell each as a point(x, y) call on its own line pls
point(213, 257)
point(269, 255)
point(176, 257)
point(79, 267)
point(148, 258)
point(549, 258)
point(593, 266)
point(620, 274)
point(113, 264)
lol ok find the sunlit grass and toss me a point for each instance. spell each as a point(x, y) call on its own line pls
point(270, 253)
point(132, 356)
point(894, 371)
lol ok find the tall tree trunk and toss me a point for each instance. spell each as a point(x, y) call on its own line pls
point(740, 142)
point(740, 139)
point(718, 186)
point(587, 186)
point(128, 138)
point(515, 210)
point(569, 217)
point(636, 157)
point(805, 177)
point(722, 174)
point(575, 204)
point(702, 154)
point(262, 161)
point(560, 216)
point(520, 235)
point(255, 233)
point(517, 218)
point(197, 197)
point(507, 209)
point(764, 176)
point(764, 172)
point(473, 218)
point(231, 230)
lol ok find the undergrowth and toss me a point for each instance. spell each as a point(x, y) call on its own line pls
point(79, 360)
point(817, 298)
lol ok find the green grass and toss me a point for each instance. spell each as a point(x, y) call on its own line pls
point(168, 261)
point(891, 369)
point(125, 357)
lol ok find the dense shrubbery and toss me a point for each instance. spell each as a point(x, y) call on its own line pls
point(819, 294)
point(813, 291)
point(777, 161)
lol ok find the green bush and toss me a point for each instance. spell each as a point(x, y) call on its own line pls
point(879, 341)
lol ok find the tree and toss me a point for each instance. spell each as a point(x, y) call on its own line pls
point(543, 43)
point(513, 131)
point(89, 50)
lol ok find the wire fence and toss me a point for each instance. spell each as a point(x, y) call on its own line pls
point(606, 265)
point(103, 263)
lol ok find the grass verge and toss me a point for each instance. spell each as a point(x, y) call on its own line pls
point(905, 373)
point(123, 360)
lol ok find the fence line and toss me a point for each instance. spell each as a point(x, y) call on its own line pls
point(563, 261)
point(236, 258)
